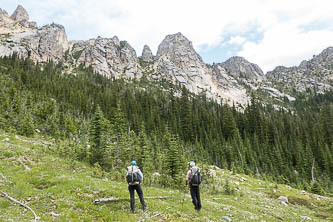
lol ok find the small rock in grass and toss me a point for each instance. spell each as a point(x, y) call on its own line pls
point(6, 139)
point(284, 203)
point(53, 214)
point(283, 199)
point(303, 192)
point(226, 218)
point(305, 218)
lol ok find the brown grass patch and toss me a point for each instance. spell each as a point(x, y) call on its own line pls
point(299, 201)
point(322, 215)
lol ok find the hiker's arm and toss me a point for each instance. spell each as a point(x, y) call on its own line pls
point(188, 176)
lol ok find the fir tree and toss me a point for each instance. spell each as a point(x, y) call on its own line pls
point(98, 136)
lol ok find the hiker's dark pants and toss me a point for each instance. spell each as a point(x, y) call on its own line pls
point(139, 191)
point(195, 194)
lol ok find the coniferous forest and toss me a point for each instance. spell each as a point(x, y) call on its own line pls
point(110, 122)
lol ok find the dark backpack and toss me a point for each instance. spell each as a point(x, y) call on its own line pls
point(196, 178)
point(133, 175)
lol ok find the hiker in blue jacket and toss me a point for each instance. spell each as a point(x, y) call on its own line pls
point(134, 177)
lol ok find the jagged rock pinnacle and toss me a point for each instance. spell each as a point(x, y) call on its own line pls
point(20, 14)
point(147, 55)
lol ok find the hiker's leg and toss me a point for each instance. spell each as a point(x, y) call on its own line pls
point(131, 191)
point(140, 194)
point(198, 198)
point(193, 195)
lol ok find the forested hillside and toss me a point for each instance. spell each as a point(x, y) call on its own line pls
point(110, 122)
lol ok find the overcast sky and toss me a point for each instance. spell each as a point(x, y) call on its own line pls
point(266, 32)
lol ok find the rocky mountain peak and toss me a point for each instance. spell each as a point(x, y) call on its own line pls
point(240, 67)
point(314, 73)
point(3, 12)
point(115, 40)
point(326, 56)
point(174, 44)
point(147, 55)
point(20, 14)
point(53, 42)
point(4, 18)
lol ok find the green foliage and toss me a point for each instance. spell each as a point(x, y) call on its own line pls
point(77, 54)
point(98, 130)
point(26, 126)
point(316, 188)
point(98, 171)
point(228, 189)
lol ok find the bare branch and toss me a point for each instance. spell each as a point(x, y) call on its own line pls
point(22, 204)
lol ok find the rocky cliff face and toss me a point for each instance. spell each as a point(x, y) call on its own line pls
point(240, 67)
point(178, 62)
point(18, 34)
point(108, 56)
point(147, 55)
point(315, 73)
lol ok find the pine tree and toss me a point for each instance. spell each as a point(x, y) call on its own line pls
point(120, 131)
point(173, 156)
point(98, 136)
point(26, 126)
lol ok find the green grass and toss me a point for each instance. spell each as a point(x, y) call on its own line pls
point(58, 190)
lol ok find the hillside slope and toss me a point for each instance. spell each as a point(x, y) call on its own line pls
point(60, 189)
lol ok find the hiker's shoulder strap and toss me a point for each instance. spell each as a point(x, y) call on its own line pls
point(197, 170)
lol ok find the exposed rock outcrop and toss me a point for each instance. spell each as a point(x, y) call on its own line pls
point(240, 67)
point(147, 55)
point(108, 56)
point(20, 14)
point(315, 73)
point(24, 38)
point(178, 62)
point(53, 42)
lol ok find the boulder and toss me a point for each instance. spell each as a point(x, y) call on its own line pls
point(283, 199)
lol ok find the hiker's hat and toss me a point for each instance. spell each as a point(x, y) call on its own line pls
point(191, 163)
point(133, 163)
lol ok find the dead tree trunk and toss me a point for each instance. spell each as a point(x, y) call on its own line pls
point(312, 171)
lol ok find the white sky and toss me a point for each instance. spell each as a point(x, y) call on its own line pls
point(266, 32)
